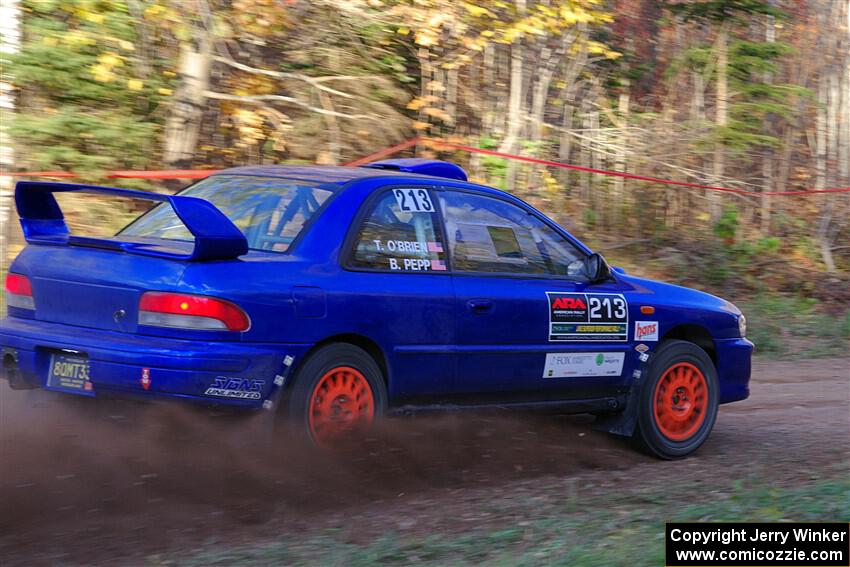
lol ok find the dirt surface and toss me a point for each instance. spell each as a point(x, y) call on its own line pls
point(120, 483)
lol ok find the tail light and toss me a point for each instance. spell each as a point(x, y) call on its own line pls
point(19, 292)
point(198, 312)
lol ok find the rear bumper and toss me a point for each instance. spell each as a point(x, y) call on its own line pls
point(225, 373)
point(734, 365)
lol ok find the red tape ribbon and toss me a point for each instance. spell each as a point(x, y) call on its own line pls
point(392, 150)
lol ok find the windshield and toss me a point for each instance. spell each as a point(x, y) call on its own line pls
point(270, 211)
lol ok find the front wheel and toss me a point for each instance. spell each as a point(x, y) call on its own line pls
point(337, 395)
point(678, 402)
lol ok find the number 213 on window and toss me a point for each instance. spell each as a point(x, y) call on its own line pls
point(413, 200)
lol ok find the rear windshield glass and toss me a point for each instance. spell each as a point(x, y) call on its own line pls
point(271, 212)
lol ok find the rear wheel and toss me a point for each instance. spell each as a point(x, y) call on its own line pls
point(678, 402)
point(338, 393)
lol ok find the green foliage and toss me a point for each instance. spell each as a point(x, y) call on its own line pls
point(495, 167)
point(89, 100)
point(756, 100)
point(719, 11)
point(727, 225)
point(790, 325)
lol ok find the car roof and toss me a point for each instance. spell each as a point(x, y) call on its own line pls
point(341, 175)
point(334, 174)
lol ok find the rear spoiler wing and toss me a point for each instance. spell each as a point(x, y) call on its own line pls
point(216, 237)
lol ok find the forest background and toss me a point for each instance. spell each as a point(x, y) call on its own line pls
point(752, 95)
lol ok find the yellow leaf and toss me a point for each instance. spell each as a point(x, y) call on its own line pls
point(415, 104)
point(135, 84)
point(476, 11)
point(126, 45)
point(51, 41)
point(102, 74)
point(153, 11)
point(403, 31)
point(165, 92)
point(110, 59)
point(95, 17)
point(425, 39)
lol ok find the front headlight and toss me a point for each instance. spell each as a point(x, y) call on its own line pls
point(742, 325)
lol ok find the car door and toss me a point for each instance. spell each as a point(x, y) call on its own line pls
point(399, 291)
point(529, 324)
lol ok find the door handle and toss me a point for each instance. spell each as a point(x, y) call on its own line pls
point(479, 305)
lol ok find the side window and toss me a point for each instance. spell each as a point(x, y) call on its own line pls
point(401, 233)
point(491, 235)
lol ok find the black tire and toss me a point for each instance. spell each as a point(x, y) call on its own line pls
point(318, 365)
point(648, 433)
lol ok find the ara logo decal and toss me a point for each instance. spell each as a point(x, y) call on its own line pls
point(646, 330)
point(239, 388)
point(641, 348)
point(594, 317)
point(146, 378)
point(568, 303)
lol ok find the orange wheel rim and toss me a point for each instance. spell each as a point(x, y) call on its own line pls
point(342, 402)
point(681, 401)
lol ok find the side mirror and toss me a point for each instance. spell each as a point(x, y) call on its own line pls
point(597, 269)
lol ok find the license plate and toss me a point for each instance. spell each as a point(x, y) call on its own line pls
point(70, 373)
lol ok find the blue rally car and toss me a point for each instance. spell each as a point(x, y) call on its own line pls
point(335, 295)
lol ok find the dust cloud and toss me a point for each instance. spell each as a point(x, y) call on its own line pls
point(127, 475)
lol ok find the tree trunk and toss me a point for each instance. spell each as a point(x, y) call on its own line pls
point(768, 158)
point(820, 135)
point(844, 127)
point(585, 152)
point(515, 105)
point(565, 146)
point(10, 37)
point(698, 102)
point(425, 71)
point(721, 119)
point(488, 113)
point(821, 126)
point(182, 128)
point(622, 145)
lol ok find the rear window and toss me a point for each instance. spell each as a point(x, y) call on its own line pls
point(271, 212)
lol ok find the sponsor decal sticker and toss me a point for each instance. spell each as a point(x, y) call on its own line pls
point(410, 264)
point(587, 317)
point(646, 330)
point(239, 388)
point(146, 378)
point(582, 365)
point(641, 348)
point(413, 200)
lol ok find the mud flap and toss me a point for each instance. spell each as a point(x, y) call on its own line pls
point(263, 421)
point(623, 424)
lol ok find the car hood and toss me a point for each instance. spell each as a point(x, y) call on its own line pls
point(675, 295)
